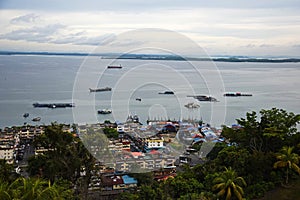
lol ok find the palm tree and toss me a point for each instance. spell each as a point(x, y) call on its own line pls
point(228, 183)
point(287, 159)
point(4, 193)
point(32, 188)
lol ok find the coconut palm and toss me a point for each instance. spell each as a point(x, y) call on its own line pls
point(287, 159)
point(4, 194)
point(229, 185)
point(32, 188)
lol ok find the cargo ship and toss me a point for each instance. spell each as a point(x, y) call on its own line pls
point(100, 89)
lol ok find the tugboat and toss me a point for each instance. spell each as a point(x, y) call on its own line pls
point(104, 111)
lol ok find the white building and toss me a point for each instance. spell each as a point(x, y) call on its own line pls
point(7, 153)
point(154, 143)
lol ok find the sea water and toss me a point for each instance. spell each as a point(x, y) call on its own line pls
point(25, 80)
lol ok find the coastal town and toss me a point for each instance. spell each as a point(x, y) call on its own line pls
point(160, 147)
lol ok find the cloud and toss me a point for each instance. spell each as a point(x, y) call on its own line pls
point(34, 34)
point(267, 45)
point(29, 18)
point(52, 33)
point(134, 5)
point(80, 39)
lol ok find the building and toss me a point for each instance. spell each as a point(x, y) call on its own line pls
point(154, 143)
point(7, 153)
point(118, 182)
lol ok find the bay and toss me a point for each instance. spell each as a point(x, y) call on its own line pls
point(48, 79)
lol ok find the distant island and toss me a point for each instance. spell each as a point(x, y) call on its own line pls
point(162, 57)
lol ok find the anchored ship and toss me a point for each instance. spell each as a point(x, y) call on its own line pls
point(100, 89)
point(53, 105)
point(203, 98)
point(166, 92)
point(36, 119)
point(104, 111)
point(192, 105)
point(114, 67)
point(236, 94)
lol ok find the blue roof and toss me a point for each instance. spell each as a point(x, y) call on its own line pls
point(129, 180)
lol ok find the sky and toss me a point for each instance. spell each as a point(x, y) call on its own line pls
point(220, 27)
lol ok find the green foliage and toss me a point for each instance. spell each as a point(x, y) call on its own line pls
point(144, 178)
point(6, 171)
point(65, 158)
point(268, 134)
point(147, 192)
point(215, 151)
point(259, 167)
point(259, 189)
point(178, 186)
point(128, 196)
point(111, 133)
point(234, 157)
point(32, 188)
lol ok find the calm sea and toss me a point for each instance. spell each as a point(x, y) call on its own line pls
point(53, 79)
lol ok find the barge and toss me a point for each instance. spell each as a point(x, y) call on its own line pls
point(100, 89)
point(203, 98)
point(236, 94)
point(114, 67)
point(53, 105)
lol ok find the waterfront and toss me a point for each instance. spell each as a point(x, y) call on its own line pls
point(47, 79)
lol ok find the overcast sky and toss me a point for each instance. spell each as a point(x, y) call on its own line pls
point(221, 27)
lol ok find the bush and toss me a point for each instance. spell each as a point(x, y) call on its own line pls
point(259, 189)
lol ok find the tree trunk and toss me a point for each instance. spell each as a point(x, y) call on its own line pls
point(287, 176)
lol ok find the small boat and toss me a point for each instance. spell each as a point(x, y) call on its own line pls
point(100, 89)
point(114, 67)
point(26, 115)
point(138, 99)
point(166, 92)
point(104, 111)
point(36, 119)
point(236, 94)
point(192, 105)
